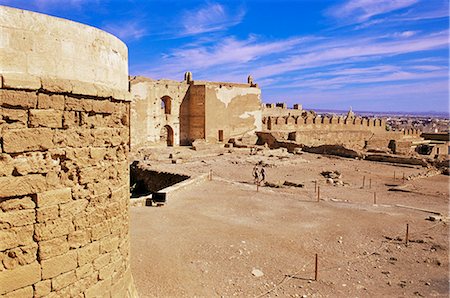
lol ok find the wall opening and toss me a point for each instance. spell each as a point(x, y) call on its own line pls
point(166, 135)
point(166, 104)
point(144, 182)
point(220, 135)
point(393, 146)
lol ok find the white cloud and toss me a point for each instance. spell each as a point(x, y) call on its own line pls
point(130, 30)
point(357, 11)
point(49, 4)
point(228, 53)
point(406, 34)
point(213, 17)
point(354, 50)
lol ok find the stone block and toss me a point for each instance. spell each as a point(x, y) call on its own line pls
point(6, 165)
point(26, 292)
point(14, 237)
point(50, 101)
point(103, 106)
point(21, 81)
point(63, 280)
point(70, 209)
point(74, 138)
point(60, 264)
point(85, 270)
point(22, 185)
point(30, 139)
point(56, 85)
point(102, 261)
point(42, 288)
point(46, 118)
point(18, 99)
point(97, 154)
point(17, 218)
point(35, 162)
point(71, 119)
point(52, 248)
point(19, 277)
point(20, 256)
point(101, 230)
point(14, 118)
point(44, 214)
point(54, 197)
point(17, 204)
point(52, 229)
point(107, 271)
point(99, 289)
point(79, 238)
point(109, 244)
point(77, 104)
point(88, 253)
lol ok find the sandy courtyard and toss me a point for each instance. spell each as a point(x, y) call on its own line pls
point(211, 236)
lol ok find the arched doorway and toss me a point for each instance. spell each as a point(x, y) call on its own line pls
point(166, 104)
point(166, 135)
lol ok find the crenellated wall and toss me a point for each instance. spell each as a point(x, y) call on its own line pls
point(64, 174)
point(310, 122)
point(308, 128)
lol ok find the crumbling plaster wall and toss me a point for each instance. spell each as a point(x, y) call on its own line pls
point(64, 174)
point(147, 115)
point(233, 108)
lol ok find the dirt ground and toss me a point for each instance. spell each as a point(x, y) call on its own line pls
point(225, 238)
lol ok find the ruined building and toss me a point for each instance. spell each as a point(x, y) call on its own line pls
point(167, 112)
point(64, 173)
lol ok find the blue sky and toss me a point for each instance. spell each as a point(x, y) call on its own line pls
point(373, 55)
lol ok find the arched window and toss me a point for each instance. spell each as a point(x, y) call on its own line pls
point(166, 104)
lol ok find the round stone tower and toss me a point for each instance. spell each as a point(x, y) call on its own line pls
point(64, 174)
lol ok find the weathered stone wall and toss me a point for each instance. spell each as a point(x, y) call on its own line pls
point(198, 111)
point(148, 116)
point(234, 109)
point(64, 175)
point(37, 45)
point(351, 139)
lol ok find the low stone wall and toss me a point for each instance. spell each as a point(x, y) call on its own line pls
point(351, 139)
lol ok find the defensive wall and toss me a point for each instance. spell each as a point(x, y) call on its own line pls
point(167, 112)
point(64, 173)
point(308, 128)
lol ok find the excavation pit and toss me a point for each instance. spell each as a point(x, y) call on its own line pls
point(149, 184)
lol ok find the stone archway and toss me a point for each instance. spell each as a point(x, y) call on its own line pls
point(166, 135)
point(166, 104)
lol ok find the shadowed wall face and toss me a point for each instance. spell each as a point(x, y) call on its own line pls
point(64, 176)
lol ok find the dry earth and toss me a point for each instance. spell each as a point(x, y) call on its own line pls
point(210, 236)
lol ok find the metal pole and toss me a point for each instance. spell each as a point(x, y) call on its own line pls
point(394, 175)
point(370, 183)
point(374, 198)
point(318, 193)
point(407, 234)
point(316, 268)
point(364, 181)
